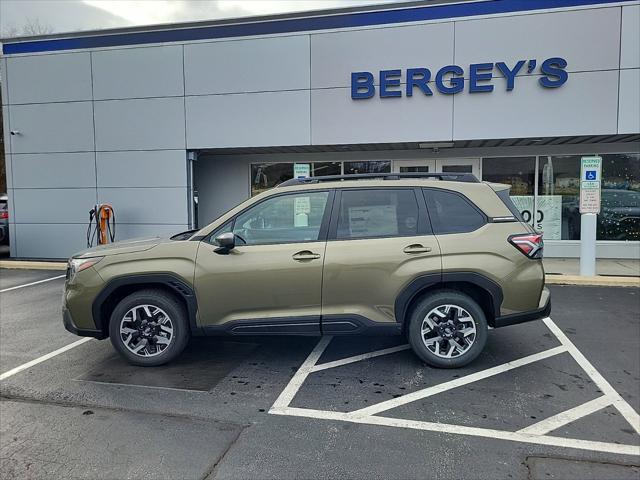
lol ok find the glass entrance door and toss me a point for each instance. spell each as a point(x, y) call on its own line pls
point(439, 165)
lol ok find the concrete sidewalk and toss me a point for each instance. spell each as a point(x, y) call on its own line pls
point(613, 267)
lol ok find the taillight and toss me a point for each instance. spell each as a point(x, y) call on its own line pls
point(528, 244)
point(4, 215)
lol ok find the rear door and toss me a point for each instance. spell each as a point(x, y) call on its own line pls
point(379, 240)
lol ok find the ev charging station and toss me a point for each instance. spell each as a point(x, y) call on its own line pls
point(590, 183)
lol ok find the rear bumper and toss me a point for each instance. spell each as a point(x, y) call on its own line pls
point(70, 325)
point(529, 316)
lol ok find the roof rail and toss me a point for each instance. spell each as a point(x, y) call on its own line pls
point(455, 177)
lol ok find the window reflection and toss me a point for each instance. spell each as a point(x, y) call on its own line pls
point(619, 217)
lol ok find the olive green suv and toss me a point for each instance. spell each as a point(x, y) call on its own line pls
point(439, 258)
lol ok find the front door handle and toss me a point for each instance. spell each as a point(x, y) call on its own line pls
point(416, 248)
point(305, 255)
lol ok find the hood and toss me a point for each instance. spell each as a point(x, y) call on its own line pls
point(125, 246)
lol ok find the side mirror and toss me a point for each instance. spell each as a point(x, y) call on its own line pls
point(226, 242)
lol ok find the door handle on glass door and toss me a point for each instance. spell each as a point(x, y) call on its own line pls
point(305, 255)
point(416, 248)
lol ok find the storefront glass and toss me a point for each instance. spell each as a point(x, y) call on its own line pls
point(619, 217)
point(377, 166)
point(559, 196)
point(267, 175)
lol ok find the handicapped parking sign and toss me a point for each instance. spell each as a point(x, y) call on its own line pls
point(591, 168)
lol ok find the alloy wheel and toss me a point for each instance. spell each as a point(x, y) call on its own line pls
point(448, 331)
point(146, 330)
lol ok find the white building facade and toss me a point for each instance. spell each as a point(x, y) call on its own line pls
point(174, 125)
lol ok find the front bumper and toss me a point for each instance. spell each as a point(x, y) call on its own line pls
point(70, 325)
point(521, 317)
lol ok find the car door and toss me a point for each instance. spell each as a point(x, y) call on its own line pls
point(271, 281)
point(379, 241)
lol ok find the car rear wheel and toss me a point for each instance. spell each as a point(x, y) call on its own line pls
point(447, 329)
point(149, 328)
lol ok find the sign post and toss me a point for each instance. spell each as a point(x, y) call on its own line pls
point(590, 180)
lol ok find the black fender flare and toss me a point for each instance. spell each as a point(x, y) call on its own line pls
point(168, 280)
point(419, 284)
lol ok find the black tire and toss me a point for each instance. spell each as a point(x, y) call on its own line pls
point(427, 305)
point(178, 322)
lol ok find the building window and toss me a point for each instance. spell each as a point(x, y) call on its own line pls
point(327, 168)
point(376, 166)
point(559, 196)
point(267, 175)
point(519, 172)
point(619, 217)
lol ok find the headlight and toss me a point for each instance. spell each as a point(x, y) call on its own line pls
point(76, 265)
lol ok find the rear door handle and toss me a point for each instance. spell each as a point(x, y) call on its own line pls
point(305, 255)
point(416, 248)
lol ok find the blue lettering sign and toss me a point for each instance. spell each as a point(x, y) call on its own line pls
point(450, 79)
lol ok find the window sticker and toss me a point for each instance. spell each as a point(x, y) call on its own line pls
point(373, 220)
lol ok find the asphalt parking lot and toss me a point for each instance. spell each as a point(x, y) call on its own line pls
point(554, 399)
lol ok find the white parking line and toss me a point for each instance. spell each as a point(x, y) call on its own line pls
point(32, 283)
point(357, 358)
point(458, 382)
point(563, 418)
point(43, 358)
point(534, 434)
point(620, 403)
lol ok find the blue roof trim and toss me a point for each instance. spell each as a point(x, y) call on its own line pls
point(357, 19)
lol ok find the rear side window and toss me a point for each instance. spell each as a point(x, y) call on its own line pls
point(451, 212)
point(377, 213)
point(506, 199)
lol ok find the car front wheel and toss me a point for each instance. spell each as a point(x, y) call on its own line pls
point(447, 329)
point(149, 328)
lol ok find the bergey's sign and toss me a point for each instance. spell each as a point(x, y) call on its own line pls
point(451, 79)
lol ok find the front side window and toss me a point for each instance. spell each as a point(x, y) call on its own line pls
point(377, 213)
point(293, 218)
point(450, 212)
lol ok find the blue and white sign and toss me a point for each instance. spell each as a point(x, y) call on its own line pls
point(451, 78)
point(590, 182)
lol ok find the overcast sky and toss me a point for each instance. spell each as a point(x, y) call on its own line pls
point(57, 16)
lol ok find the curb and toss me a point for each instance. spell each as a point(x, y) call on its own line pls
point(28, 265)
point(599, 281)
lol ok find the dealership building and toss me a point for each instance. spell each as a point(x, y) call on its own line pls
point(175, 124)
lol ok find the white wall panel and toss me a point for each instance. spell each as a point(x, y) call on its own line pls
point(49, 241)
point(3, 81)
point(585, 105)
point(154, 123)
point(587, 39)
point(6, 129)
point(248, 120)
point(52, 127)
point(335, 55)
point(138, 72)
point(630, 48)
point(629, 111)
point(336, 118)
point(54, 170)
point(49, 205)
point(49, 78)
point(159, 168)
point(147, 205)
point(259, 65)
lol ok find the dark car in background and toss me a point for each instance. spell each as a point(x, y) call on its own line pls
point(4, 219)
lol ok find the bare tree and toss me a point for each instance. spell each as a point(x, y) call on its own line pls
point(31, 27)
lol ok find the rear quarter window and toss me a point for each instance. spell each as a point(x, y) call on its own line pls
point(452, 212)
